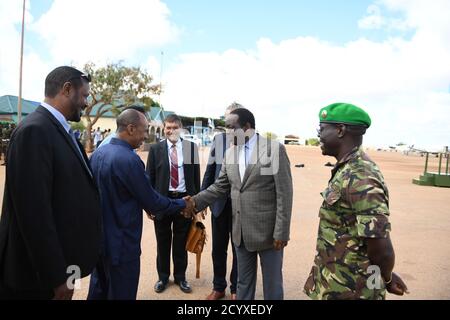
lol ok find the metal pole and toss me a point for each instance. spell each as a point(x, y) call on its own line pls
point(446, 168)
point(426, 163)
point(160, 78)
point(19, 102)
point(440, 163)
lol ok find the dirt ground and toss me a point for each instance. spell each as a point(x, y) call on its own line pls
point(420, 218)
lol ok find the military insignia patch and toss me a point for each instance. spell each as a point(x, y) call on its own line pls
point(324, 114)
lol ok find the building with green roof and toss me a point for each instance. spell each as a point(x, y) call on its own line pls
point(8, 108)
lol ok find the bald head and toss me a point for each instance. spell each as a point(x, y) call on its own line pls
point(127, 117)
point(132, 127)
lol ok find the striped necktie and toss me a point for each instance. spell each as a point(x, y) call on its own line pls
point(174, 167)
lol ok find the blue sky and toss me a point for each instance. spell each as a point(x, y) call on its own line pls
point(284, 60)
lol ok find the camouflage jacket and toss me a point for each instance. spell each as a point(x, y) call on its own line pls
point(355, 207)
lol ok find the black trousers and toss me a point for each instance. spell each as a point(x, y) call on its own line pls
point(171, 234)
point(221, 235)
point(32, 294)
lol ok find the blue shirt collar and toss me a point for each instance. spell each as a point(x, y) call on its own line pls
point(58, 115)
point(121, 142)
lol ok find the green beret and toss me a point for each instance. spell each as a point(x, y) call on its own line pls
point(344, 113)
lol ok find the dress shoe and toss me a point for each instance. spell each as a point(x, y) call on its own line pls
point(160, 286)
point(184, 286)
point(233, 296)
point(216, 295)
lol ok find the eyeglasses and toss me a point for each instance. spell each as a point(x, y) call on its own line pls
point(319, 130)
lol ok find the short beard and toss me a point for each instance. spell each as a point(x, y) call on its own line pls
point(76, 117)
point(173, 138)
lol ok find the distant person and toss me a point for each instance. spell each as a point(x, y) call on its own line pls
point(125, 191)
point(3, 143)
point(354, 228)
point(98, 137)
point(6, 137)
point(77, 134)
point(50, 221)
point(174, 169)
point(221, 222)
point(83, 137)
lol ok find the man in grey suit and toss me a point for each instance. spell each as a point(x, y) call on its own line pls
point(257, 173)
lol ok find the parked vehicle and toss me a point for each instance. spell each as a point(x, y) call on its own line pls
point(192, 138)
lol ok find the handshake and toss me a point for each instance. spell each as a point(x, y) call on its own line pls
point(189, 212)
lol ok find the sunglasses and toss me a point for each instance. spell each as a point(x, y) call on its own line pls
point(85, 76)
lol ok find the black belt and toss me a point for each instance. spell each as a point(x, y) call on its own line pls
point(176, 194)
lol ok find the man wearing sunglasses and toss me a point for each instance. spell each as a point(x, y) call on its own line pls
point(50, 223)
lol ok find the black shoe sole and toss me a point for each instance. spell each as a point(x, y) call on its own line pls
point(186, 291)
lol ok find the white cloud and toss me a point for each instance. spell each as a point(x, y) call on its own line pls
point(153, 67)
point(374, 19)
point(101, 31)
point(10, 22)
point(402, 83)
point(90, 30)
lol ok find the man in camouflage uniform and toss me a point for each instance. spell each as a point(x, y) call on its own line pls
point(355, 257)
point(5, 137)
point(4, 142)
point(2, 151)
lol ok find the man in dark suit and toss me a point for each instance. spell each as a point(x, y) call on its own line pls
point(174, 169)
point(50, 224)
point(220, 219)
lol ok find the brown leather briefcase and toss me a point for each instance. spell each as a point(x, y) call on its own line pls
point(196, 241)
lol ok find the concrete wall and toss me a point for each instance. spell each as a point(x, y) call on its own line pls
point(103, 123)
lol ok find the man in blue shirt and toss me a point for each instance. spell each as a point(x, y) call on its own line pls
point(125, 190)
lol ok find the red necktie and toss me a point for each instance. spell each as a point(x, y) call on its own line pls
point(174, 167)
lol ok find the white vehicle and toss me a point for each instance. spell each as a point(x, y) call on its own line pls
point(405, 149)
point(192, 138)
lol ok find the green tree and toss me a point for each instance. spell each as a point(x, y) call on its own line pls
point(219, 123)
point(313, 142)
point(113, 88)
point(270, 135)
point(77, 126)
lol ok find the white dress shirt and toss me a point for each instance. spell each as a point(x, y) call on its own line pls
point(58, 115)
point(181, 182)
point(245, 157)
point(61, 119)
